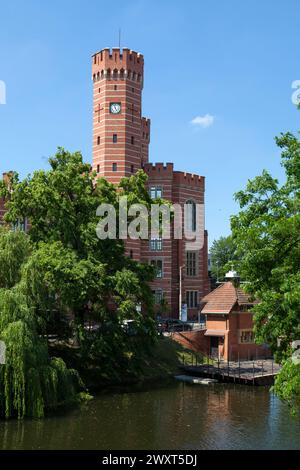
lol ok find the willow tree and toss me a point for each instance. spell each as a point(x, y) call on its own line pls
point(14, 252)
point(30, 382)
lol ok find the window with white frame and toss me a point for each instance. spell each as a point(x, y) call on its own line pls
point(158, 264)
point(192, 298)
point(191, 263)
point(155, 192)
point(155, 244)
point(246, 336)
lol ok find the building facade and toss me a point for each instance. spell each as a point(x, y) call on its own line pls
point(227, 332)
point(229, 324)
point(121, 137)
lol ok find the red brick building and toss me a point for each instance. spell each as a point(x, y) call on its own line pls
point(121, 137)
point(229, 324)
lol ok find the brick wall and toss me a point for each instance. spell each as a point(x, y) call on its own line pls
point(194, 340)
point(243, 321)
point(232, 324)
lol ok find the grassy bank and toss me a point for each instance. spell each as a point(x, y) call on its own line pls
point(166, 359)
point(161, 362)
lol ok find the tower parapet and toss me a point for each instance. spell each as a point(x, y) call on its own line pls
point(118, 64)
point(190, 179)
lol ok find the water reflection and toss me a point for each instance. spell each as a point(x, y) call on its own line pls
point(179, 416)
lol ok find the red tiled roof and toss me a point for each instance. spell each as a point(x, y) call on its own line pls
point(223, 299)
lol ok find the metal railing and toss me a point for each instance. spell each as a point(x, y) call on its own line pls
point(241, 371)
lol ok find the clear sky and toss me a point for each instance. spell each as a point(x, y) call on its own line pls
point(218, 83)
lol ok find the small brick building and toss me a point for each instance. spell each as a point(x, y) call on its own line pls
point(229, 324)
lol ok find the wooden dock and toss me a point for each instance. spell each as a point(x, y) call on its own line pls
point(246, 372)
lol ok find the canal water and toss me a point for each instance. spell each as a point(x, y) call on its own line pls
point(177, 416)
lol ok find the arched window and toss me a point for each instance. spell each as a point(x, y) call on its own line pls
point(191, 215)
point(115, 74)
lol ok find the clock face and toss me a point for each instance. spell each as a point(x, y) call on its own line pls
point(115, 108)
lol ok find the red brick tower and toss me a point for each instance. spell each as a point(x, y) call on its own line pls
point(120, 147)
point(120, 134)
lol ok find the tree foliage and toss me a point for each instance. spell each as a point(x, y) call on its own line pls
point(267, 232)
point(30, 382)
point(62, 273)
point(222, 253)
point(69, 261)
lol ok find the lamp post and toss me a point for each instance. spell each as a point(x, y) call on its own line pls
point(180, 291)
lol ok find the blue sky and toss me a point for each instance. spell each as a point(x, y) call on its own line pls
point(231, 62)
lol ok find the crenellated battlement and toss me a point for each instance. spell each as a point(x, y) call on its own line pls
point(158, 168)
point(118, 64)
point(180, 178)
point(190, 179)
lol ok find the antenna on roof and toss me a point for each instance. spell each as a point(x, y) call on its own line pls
point(119, 38)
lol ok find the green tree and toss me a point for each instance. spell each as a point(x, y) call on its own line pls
point(222, 252)
point(77, 269)
point(267, 232)
point(14, 251)
point(72, 274)
point(30, 382)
